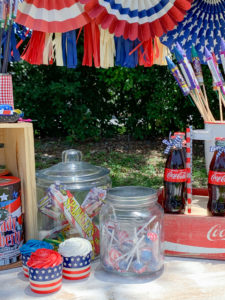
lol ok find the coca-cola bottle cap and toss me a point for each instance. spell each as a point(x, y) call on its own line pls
point(219, 138)
point(220, 141)
point(181, 134)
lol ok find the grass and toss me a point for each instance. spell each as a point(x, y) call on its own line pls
point(130, 162)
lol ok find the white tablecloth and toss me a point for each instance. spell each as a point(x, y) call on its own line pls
point(181, 279)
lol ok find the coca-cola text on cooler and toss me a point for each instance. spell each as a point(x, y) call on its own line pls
point(216, 233)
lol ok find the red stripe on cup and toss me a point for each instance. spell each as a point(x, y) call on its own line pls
point(26, 272)
point(48, 291)
point(43, 285)
point(76, 271)
point(76, 278)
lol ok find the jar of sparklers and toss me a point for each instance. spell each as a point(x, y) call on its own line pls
point(131, 231)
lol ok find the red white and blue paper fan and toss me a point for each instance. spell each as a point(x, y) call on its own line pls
point(203, 25)
point(142, 19)
point(52, 15)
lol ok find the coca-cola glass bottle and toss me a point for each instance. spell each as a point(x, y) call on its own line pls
point(216, 180)
point(174, 179)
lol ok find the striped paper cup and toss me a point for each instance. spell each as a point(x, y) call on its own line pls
point(45, 281)
point(76, 267)
point(25, 258)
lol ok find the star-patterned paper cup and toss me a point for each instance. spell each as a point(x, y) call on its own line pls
point(45, 271)
point(27, 249)
point(76, 253)
point(76, 267)
point(45, 281)
point(25, 258)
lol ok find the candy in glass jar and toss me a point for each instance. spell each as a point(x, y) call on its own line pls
point(69, 197)
point(131, 231)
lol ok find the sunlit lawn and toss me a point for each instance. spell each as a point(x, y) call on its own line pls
point(130, 163)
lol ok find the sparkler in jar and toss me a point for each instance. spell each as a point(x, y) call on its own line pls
point(193, 84)
point(188, 82)
point(217, 78)
point(222, 53)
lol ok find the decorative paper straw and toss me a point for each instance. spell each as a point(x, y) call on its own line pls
point(189, 167)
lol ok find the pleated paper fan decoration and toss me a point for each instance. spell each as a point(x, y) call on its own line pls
point(137, 19)
point(54, 37)
point(52, 15)
point(204, 25)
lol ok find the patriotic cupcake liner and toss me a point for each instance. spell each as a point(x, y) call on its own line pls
point(27, 249)
point(76, 267)
point(25, 259)
point(45, 280)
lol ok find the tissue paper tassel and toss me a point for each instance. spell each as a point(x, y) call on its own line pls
point(45, 48)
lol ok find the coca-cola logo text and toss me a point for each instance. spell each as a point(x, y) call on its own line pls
point(181, 175)
point(216, 233)
point(217, 178)
point(172, 175)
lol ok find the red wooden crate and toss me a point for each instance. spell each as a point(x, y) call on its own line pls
point(196, 234)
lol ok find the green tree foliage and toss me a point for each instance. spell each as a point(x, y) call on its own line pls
point(79, 103)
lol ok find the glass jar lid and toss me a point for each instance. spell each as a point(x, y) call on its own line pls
point(131, 196)
point(71, 170)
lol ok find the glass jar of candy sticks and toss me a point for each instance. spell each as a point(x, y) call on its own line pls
point(131, 231)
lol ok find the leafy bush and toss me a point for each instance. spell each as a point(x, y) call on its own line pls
point(80, 103)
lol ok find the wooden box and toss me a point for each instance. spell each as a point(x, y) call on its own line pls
point(196, 234)
point(18, 156)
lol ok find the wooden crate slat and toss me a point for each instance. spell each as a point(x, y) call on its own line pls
point(20, 161)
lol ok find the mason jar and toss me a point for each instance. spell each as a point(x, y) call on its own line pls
point(131, 231)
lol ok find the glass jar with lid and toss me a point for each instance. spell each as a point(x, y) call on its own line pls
point(131, 231)
point(70, 195)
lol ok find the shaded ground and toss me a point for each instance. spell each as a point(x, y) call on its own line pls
point(130, 162)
